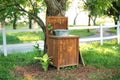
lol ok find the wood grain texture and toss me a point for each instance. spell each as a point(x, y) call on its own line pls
point(64, 51)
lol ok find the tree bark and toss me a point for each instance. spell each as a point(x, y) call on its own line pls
point(115, 21)
point(94, 19)
point(55, 7)
point(74, 23)
point(15, 20)
point(89, 16)
point(30, 21)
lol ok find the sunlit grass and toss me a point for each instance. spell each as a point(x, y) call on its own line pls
point(113, 30)
point(23, 37)
point(107, 55)
point(82, 33)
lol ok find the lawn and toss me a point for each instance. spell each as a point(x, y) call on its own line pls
point(81, 32)
point(25, 37)
point(102, 63)
point(22, 37)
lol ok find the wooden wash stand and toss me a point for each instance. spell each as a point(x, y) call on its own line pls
point(64, 50)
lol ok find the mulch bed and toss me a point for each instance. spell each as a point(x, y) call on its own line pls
point(80, 73)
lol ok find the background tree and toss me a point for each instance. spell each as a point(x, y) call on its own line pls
point(97, 8)
point(114, 11)
point(78, 6)
point(14, 17)
point(9, 12)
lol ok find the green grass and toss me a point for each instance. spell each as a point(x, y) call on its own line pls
point(82, 33)
point(106, 56)
point(12, 61)
point(22, 37)
point(113, 30)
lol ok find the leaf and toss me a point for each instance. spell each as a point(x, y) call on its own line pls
point(38, 58)
point(45, 58)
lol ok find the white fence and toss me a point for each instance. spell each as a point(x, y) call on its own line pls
point(101, 28)
point(101, 38)
point(6, 31)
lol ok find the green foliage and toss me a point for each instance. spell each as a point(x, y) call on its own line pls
point(103, 7)
point(114, 10)
point(9, 7)
point(97, 7)
point(50, 27)
point(38, 50)
point(7, 10)
point(45, 60)
point(68, 4)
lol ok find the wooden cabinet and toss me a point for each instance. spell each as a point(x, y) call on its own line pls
point(64, 51)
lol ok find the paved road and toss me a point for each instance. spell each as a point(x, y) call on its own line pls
point(26, 47)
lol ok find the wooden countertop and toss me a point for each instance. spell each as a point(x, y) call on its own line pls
point(69, 36)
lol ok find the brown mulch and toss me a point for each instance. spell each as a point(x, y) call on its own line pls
point(80, 73)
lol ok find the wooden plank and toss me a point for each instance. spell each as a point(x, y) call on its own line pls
point(58, 22)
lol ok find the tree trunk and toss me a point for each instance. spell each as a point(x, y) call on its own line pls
point(89, 16)
point(94, 21)
point(30, 21)
point(74, 23)
point(56, 7)
point(2, 24)
point(15, 20)
point(115, 21)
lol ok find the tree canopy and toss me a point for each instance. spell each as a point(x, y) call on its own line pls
point(114, 10)
point(99, 7)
